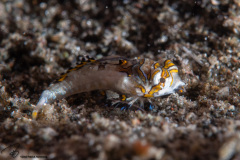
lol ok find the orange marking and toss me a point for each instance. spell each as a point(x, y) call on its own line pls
point(168, 63)
point(80, 65)
point(156, 65)
point(142, 61)
point(102, 93)
point(172, 71)
point(149, 75)
point(126, 70)
point(92, 60)
point(62, 77)
point(165, 73)
point(73, 69)
point(123, 97)
point(154, 89)
point(34, 114)
point(140, 72)
point(153, 75)
point(148, 95)
point(142, 88)
point(141, 75)
point(122, 62)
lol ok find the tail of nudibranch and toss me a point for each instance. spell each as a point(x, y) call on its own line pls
point(55, 91)
point(46, 98)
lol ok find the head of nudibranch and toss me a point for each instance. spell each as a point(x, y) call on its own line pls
point(164, 80)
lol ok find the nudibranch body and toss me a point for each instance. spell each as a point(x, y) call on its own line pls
point(133, 78)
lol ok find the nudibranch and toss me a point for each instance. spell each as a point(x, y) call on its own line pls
point(137, 79)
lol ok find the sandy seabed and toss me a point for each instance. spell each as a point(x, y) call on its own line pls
point(41, 39)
